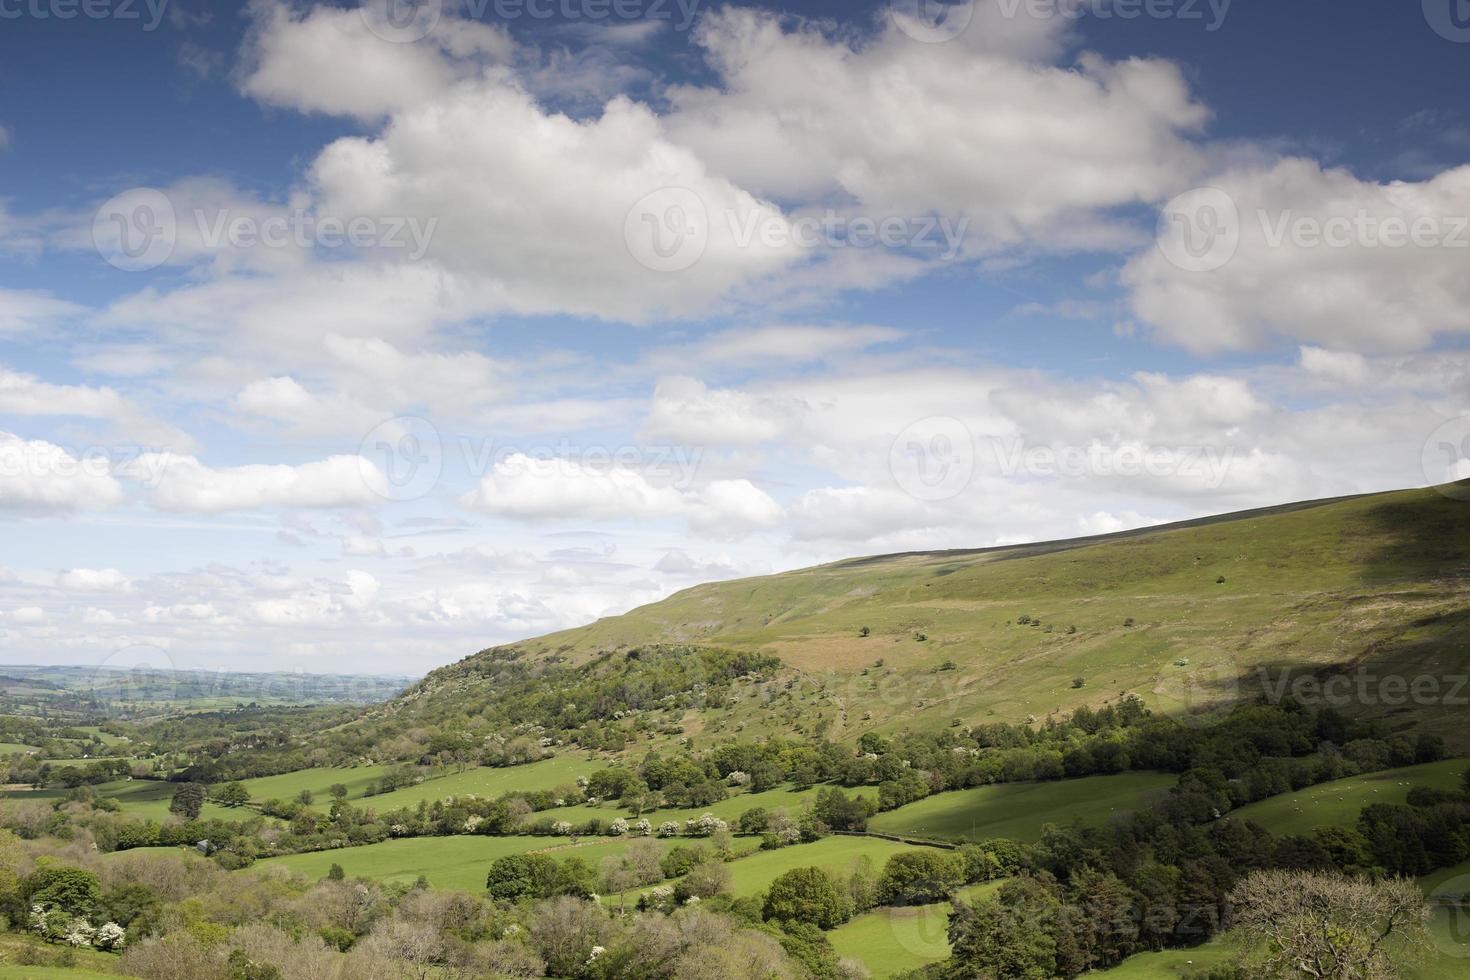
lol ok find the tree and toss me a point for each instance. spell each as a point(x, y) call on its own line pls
point(72, 890)
point(232, 794)
point(188, 801)
point(1331, 926)
point(338, 791)
point(1006, 936)
point(919, 878)
point(806, 895)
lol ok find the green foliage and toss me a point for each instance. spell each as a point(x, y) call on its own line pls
point(920, 877)
point(72, 890)
point(188, 801)
point(807, 895)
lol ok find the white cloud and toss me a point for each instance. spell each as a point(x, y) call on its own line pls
point(330, 60)
point(978, 126)
point(25, 310)
point(93, 580)
point(564, 489)
point(182, 483)
point(39, 476)
point(25, 394)
point(686, 410)
point(1316, 263)
point(29, 615)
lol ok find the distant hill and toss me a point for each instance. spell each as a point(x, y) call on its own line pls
point(1188, 616)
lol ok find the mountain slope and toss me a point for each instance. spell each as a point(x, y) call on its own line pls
point(1378, 585)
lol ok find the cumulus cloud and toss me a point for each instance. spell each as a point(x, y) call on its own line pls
point(39, 476)
point(686, 410)
point(93, 580)
point(564, 489)
point(183, 483)
point(1313, 255)
point(899, 126)
point(342, 61)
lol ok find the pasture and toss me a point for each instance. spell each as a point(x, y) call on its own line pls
point(890, 941)
point(1339, 802)
point(1018, 810)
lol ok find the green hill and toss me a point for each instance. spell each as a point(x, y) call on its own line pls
point(1187, 616)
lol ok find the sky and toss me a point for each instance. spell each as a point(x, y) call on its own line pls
point(357, 338)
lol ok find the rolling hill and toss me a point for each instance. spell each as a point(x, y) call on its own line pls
point(1190, 617)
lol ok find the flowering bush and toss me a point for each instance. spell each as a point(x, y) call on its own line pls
point(668, 829)
point(618, 827)
point(110, 936)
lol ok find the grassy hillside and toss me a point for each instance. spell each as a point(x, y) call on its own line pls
point(1018, 810)
point(1378, 582)
point(1339, 802)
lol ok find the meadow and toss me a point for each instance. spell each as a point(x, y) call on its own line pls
point(889, 941)
point(479, 781)
point(145, 799)
point(1019, 810)
point(1339, 802)
point(728, 809)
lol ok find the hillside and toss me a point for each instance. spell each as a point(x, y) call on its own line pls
point(1186, 616)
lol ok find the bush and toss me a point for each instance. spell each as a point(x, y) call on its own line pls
point(806, 895)
point(919, 878)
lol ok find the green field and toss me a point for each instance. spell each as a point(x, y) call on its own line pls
point(1018, 810)
point(145, 799)
point(449, 863)
point(753, 875)
point(1339, 802)
point(890, 941)
point(1172, 964)
point(546, 774)
point(728, 809)
point(15, 748)
point(563, 770)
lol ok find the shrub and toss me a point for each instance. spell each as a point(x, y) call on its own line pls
point(806, 895)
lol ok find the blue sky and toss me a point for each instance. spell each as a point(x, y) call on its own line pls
point(1132, 269)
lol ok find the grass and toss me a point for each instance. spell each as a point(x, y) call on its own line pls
point(1339, 802)
point(15, 748)
point(1018, 810)
point(449, 863)
point(143, 799)
point(753, 875)
point(546, 774)
point(889, 941)
point(1376, 581)
point(1172, 964)
point(728, 809)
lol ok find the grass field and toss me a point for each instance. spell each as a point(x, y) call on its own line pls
point(728, 809)
point(1339, 802)
point(546, 774)
point(1172, 964)
point(890, 941)
point(1376, 581)
point(15, 748)
point(753, 875)
point(144, 799)
point(1018, 810)
point(449, 863)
